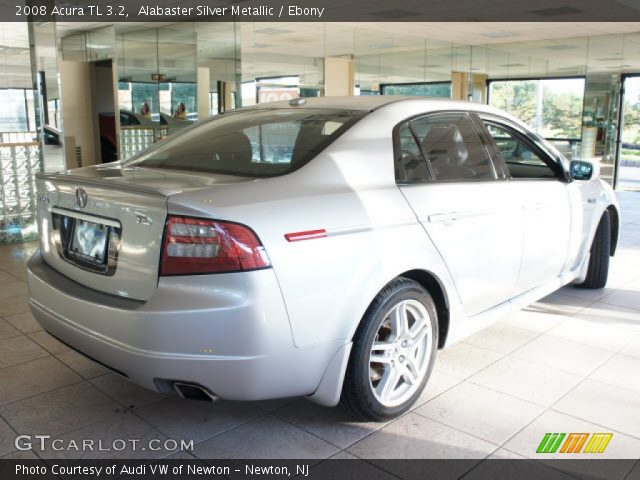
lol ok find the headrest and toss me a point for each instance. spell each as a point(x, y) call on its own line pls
point(233, 147)
point(446, 139)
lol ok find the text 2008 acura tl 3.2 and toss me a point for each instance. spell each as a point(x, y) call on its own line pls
point(325, 248)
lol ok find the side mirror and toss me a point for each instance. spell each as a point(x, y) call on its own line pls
point(580, 170)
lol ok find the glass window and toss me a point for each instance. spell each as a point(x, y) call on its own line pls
point(410, 165)
point(437, 89)
point(552, 107)
point(125, 100)
point(521, 160)
point(184, 93)
point(142, 93)
point(260, 143)
point(54, 112)
point(273, 89)
point(14, 116)
point(248, 93)
point(453, 147)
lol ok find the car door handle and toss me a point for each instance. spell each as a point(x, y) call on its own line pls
point(591, 200)
point(449, 218)
point(446, 218)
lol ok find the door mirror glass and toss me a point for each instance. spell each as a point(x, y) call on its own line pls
point(581, 170)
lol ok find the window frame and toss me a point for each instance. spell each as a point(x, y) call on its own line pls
point(487, 143)
point(529, 140)
point(397, 154)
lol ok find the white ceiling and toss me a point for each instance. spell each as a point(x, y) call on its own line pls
point(409, 51)
point(384, 52)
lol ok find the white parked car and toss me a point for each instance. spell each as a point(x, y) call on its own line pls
point(323, 248)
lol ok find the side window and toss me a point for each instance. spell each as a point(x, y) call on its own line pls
point(410, 164)
point(453, 147)
point(521, 160)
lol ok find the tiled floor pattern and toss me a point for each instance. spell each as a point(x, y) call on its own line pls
point(569, 363)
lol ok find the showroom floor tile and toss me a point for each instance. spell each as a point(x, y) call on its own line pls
point(526, 380)
point(611, 407)
point(501, 338)
point(415, 436)
point(566, 363)
point(265, 437)
point(198, 422)
point(481, 418)
point(565, 355)
point(32, 378)
point(59, 411)
point(330, 424)
point(105, 435)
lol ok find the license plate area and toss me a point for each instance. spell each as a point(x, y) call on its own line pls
point(87, 241)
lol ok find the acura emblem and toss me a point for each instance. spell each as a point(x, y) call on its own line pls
point(81, 197)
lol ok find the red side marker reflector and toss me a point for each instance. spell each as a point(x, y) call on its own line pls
point(308, 235)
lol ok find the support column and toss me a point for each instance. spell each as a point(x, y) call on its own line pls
point(470, 87)
point(224, 96)
point(80, 146)
point(479, 83)
point(202, 93)
point(339, 76)
point(459, 85)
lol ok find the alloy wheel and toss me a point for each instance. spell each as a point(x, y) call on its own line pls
point(400, 353)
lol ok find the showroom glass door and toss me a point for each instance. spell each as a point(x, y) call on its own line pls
point(628, 172)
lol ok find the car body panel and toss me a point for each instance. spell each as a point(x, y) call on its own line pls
point(138, 251)
point(287, 330)
point(205, 343)
point(452, 220)
point(545, 209)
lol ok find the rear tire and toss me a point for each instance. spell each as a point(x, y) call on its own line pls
point(598, 269)
point(384, 382)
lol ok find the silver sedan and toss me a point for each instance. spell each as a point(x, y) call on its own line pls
point(324, 248)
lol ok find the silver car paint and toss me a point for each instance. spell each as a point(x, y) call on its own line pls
point(300, 316)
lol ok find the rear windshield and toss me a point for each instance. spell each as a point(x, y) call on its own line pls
point(258, 143)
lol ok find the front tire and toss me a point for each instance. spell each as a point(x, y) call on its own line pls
point(598, 269)
point(393, 352)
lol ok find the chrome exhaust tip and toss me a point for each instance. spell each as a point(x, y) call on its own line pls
point(191, 391)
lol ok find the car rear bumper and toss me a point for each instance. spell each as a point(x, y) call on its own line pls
point(229, 333)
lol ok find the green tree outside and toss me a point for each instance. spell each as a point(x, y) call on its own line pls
point(561, 111)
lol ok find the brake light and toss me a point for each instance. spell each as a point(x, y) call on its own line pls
point(195, 245)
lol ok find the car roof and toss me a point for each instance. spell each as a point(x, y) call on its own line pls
point(370, 103)
point(374, 102)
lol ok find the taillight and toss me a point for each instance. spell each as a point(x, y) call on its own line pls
point(195, 245)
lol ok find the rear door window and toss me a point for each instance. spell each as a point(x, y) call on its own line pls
point(453, 147)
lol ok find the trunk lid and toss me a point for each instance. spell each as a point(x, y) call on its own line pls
point(103, 226)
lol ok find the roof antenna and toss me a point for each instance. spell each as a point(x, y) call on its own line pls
point(297, 102)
